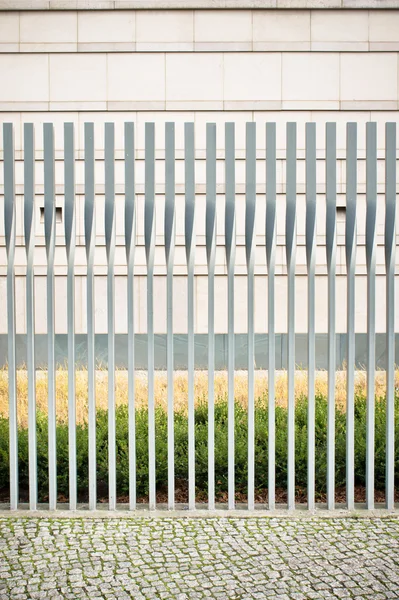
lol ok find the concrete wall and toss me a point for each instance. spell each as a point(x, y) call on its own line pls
point(203, 66)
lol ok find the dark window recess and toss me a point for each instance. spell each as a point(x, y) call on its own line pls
point(58, 214)
point(341, 213)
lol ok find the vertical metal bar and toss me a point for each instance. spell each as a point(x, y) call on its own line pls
point(189, 166)
point(350, 251)
point(271, 270)
point(250, 243)
point(169, 255)
point(9, 226)
point(109, 222)
point(90, 241)
point(230, 243)
point(49, 234)
point(311, 264)
point(390, 247)
point(331, 250)
point(371, 216)
point(130, 244)
point(29, 226)
point(211, 259)
point(290, 232)
point(70, 242)
point(149, 226)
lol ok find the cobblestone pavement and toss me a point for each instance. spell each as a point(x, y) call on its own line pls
point(187, 558)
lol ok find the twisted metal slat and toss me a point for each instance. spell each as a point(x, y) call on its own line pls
point(250, 243)
point(90, 242)
point(331, 251)
point(9, 228)
point(290, 234)
point(170, 233)
point(149, 235)
point(189, 166)
point(29, 227)
point(49, 235)
point(270, 230)
point(311, 265)
point(109, 224)
point(210, 235)
point(350, 251)
point(230, 246)
point(70, 243)
point(390, 247)
point(371, 217)
point(130, 246)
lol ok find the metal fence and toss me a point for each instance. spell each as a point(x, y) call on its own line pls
point(190, 246)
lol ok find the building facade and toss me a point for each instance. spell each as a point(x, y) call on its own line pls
point(199, 61)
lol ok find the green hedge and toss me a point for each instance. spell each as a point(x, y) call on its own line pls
point(201, 440)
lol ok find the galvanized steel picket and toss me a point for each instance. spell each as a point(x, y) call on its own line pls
point(90, 242)
point(29, 227)
point(229, 190)
point(9, 230)
point(389, 239)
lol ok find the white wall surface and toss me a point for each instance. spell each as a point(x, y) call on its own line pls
point(203, 66)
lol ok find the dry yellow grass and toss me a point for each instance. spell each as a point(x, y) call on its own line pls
point(180, 389)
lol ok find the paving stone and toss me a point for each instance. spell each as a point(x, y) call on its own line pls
point(190, 559)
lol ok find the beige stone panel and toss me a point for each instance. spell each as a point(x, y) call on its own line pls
point(340, 46)
point(48, 27)
point(136, 77)
point(160, 118)
point(301, 304)
point(252, 77)
point(384, 46)
point(281, 26)
point(341, 119)
point(221, 118)
point(15, 119)
point(384, 26)
point(313, 78)
point(60, 305)
point(223, 26)
point(221, 304)
point(281, 119)
point(164, 46)
point(281, 46)
point(261, 306)
point(40, 305)
point(280, 304)
point(175, 26)
point(369, 77)
point(9, 28)
point(240, 304)
point(201, 304)
point(381, 118)
point(120, 304)
point(194, 78)
point(339, 26)
point(160, 304)
point(340, 306)
point(24, 78)
point(100, 311)
point(321, 305)
point(58, 120)
point(77, 77)
point(361, 304)
point(99, 119)
point(180, 304)
point(141, 304)
point(47, 47)
point(3, 305)
point(106, 26)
